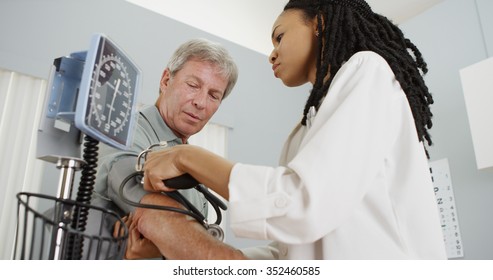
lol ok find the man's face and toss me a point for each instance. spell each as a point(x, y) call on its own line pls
point(190, 98)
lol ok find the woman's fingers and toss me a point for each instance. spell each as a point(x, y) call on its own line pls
point(160, 165)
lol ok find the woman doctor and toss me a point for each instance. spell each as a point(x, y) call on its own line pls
point(353, 180)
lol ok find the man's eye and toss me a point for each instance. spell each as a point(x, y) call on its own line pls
point(214, 97)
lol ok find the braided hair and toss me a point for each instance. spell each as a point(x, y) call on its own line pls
point(351, 26)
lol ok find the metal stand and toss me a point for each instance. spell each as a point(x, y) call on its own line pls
point(68, 167)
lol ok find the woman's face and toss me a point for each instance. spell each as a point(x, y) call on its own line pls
point(295, 43)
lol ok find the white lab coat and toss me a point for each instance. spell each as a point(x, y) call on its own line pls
point(354, 185)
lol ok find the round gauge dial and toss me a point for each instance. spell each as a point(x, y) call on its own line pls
point(111, 99)
point(107, 97)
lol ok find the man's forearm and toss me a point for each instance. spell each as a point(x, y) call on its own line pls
point(179, 236)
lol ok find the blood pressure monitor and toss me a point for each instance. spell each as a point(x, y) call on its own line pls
point(93, 94)
point(107, 96)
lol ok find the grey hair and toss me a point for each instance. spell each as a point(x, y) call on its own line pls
point(205, 50)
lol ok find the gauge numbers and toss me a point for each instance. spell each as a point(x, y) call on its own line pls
point(111, 100)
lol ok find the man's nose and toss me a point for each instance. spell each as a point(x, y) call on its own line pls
point(199, 100)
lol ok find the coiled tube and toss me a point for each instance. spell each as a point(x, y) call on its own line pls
point(84, 193)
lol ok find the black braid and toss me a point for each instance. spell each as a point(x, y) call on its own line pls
point(351, 27)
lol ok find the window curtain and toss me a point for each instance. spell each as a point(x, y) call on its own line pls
point(21, 104)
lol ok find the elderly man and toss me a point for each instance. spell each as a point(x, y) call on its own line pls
point(199, 75)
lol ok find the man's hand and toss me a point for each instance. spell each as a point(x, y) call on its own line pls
point(138, 247)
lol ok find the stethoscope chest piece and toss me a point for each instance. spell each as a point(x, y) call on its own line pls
point(216, 231)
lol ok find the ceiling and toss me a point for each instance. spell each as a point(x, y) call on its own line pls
point(248, 22)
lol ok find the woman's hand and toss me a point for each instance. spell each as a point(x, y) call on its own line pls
point(161, 165)
point(206, 167)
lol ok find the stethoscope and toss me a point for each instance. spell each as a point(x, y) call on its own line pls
point(185, 181)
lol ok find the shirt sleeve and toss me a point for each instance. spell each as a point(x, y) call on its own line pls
point(339, 156)
point(132, 190)
point(117, 166)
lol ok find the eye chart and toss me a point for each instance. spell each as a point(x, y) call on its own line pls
point(446, 206)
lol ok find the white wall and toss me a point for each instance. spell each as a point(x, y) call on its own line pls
point(452, 35)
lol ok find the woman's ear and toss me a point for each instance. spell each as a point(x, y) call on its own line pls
point(316, 29)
